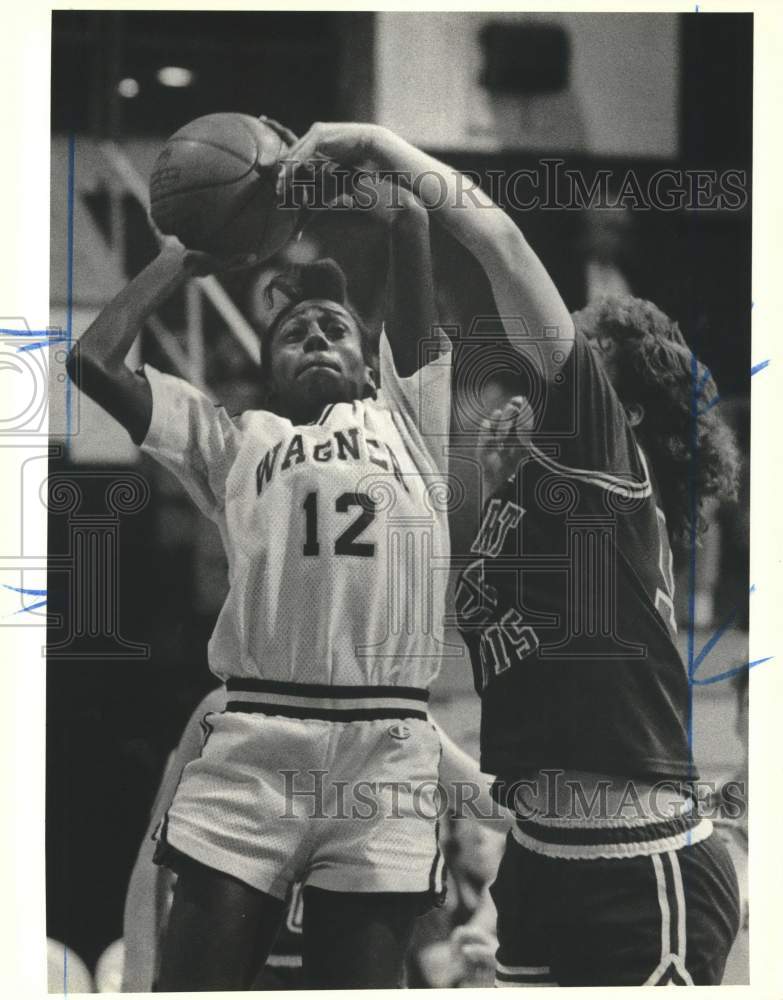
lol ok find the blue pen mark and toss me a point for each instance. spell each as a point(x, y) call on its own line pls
point(31, 607)
point(693, 512)
point(711, 643)
point(699, 384)
point(46, 337)
point(713, 402)
point(69, 308)
point(39, 343)
point(716, 399)
point(730, 673)
point(32, 593)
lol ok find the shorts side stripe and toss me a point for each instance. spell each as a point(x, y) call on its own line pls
point(523, 975)
point(522, 970)
point(682, 940)
point(671, 968)
point(663, 905)
point(515, 985)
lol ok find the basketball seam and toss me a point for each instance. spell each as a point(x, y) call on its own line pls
point(257, 166)
point(253, 193)
point(199, 187)
point(215, 145)
point(254, 167)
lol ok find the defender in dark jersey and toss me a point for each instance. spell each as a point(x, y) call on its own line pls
point(567, 610)
point(610, 876)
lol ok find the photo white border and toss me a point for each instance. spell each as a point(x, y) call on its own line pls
point(24, 278)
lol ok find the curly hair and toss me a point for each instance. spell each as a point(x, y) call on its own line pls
point(691, 448)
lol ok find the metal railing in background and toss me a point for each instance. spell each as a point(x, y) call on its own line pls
point(191, 364)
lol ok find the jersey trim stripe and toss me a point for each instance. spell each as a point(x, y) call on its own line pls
point(325, 415)
point(629, 488)
point(325, 714)
point(329, 691)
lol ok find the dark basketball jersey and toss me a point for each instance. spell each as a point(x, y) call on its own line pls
point(567, 607)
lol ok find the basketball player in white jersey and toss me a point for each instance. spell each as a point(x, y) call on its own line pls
point(323, 767)
point(148, 898)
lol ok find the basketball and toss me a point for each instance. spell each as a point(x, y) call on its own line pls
point(213, 187)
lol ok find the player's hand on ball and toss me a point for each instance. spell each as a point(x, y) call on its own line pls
point(503, 440)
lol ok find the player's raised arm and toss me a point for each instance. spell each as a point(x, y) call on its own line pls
point(410, 288)
point(520, 283)
point(97, 361)
point(409, 314)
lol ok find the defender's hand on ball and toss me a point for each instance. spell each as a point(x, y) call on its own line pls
point(349, 144)
point(503, 440)
point(331, 166)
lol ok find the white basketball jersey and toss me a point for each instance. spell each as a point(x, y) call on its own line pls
point(336, 531)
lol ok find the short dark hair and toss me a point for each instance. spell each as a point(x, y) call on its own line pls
point(321, 279)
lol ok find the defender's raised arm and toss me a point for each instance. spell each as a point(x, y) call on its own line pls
point(522, 288)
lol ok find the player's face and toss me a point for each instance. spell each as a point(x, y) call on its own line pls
point(317, 357)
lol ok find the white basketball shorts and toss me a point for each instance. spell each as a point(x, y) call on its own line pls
point(333, 787)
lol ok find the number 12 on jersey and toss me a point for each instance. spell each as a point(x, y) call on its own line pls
point(346, 543)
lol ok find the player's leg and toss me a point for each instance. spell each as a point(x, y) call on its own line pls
point(219, 930)
point(668, 918)
point(703, 881)
point(523, 954)
point(357, 940)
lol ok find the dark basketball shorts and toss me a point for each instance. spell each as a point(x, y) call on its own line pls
point(652, 903)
